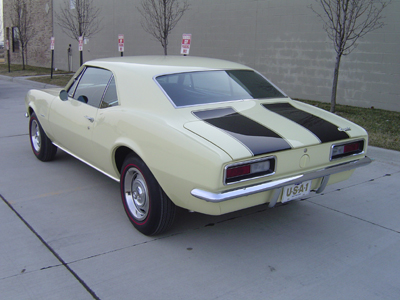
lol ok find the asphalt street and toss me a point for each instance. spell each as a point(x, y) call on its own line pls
point(64, 235)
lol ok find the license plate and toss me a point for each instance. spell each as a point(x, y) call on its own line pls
point(296, 191)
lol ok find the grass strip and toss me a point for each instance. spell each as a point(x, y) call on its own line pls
point(383, 126)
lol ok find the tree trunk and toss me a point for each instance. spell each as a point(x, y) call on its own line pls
point(165, 47)
point(23, 56)
point(335, 83)
point(165, 37)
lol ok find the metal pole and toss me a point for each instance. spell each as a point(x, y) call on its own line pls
point(8, 58)
point(8, 53)
point(52, 63)
point(69, 58)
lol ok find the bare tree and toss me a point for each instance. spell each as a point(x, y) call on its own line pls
point(161, 16)
point(79, 18)
point(22, 19)
point(345, 21)
point(1, 23)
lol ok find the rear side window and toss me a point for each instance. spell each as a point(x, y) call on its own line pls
point(110, 96)
point(193, 88)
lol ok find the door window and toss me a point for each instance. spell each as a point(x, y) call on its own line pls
point(91, 86)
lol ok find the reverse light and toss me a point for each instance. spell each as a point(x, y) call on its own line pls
point(249, 170)
point(347, 149)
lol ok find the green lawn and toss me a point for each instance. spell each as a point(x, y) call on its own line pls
point(383, 126)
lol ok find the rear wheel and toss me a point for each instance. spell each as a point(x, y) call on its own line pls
point(42, 146)
point(147, 206)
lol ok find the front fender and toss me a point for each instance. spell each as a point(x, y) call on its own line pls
point(39, 101)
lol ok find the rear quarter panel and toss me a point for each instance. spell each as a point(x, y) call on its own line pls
point(180, 160)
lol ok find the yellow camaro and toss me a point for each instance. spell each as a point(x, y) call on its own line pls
point(207, 135)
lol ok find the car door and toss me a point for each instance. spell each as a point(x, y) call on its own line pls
point(74, 119)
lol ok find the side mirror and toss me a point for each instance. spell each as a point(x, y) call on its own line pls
point(63, 95)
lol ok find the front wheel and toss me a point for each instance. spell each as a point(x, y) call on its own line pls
point(147, 206)
point(42, 146)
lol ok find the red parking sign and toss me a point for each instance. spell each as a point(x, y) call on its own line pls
point(81, 43)
point(52, 43)
point(186, 38)
point(121, 43)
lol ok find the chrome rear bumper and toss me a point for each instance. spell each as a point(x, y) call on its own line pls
point(280, 183)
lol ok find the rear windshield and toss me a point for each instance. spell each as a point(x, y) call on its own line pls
point(203, 87)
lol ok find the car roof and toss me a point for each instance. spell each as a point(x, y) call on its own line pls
point(135, 76)
point(156, 65)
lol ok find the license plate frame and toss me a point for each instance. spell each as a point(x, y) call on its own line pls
point(296, 191)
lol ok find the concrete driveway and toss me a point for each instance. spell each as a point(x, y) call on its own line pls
point(64, 235)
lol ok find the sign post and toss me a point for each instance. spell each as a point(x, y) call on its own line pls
point(80, 48)
point(185, 47)
point(52, 40)
point(8, 54)
point(121, 44)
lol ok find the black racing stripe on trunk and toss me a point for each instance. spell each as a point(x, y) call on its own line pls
point(324, 130)
point(257, 138)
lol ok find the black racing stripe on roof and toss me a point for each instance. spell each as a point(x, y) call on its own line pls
point(256, 137)
point(324, 130)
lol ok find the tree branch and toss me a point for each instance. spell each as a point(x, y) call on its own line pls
point(159, 17)
point(84, 20)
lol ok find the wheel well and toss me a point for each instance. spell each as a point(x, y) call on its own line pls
point(30, 111)
point(120, 154)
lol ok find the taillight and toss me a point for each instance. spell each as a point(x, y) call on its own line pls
point(238, 171)
point(249, 170)
point(343, 150)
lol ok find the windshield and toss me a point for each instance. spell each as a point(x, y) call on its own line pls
point(203, 87)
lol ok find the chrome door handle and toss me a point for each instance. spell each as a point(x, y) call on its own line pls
point(90, 119)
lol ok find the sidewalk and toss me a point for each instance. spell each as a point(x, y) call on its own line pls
point(26, 81)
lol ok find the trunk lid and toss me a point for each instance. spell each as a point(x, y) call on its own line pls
point(252, 128)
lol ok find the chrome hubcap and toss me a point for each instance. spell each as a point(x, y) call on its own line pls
point(35, 135)
point(136, 194)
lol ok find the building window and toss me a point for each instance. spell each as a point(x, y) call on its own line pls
point(15, 39)
point(72, 4)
